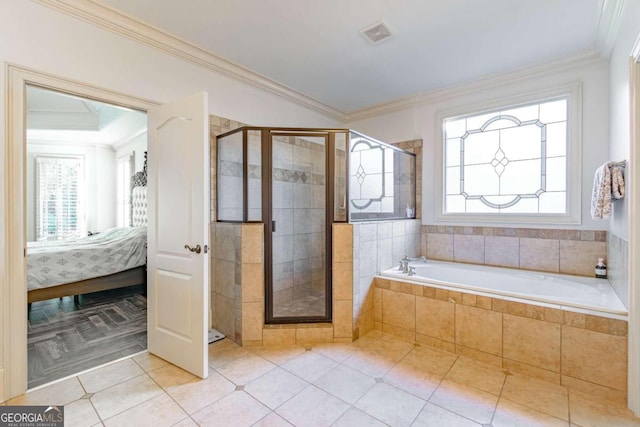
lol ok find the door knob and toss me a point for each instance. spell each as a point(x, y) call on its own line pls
point(197, 249)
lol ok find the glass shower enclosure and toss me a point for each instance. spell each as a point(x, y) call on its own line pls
point(297, 183)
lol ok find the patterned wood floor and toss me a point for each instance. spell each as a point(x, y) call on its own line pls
point(64, 339)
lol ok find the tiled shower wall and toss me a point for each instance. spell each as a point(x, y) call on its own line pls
point(618, 266)
point(557, 251)
point(223, 311)
point(299, 212)
point(378, 246)
point(226, 275)
point(415, 146)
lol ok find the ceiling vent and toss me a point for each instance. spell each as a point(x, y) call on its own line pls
point(377, 32)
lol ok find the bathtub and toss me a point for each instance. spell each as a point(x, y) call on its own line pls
point(573, 293)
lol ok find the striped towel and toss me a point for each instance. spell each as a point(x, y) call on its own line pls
point(608, 184)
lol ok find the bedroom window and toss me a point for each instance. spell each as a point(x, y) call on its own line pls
point(125, 172)
point(511, 163)
point(60, 209)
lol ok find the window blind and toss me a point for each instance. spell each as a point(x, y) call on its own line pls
point(60, 208)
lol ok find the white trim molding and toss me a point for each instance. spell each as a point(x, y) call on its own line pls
point(608, 25)
point(124, 25)
point(573, 92)
point(13, 299)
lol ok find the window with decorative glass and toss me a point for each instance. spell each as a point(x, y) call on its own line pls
point(507, 161)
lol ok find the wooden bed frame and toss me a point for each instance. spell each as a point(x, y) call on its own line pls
point(122, 279)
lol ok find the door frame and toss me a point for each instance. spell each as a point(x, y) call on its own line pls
point(633, 178)
point(13, 299)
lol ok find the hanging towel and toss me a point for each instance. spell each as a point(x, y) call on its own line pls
point(617, 182)
point(601, 195)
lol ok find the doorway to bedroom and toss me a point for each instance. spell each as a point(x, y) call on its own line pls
point(86, 233)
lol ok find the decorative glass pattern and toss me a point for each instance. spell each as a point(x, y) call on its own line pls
point(382, 180)
point(508, 161)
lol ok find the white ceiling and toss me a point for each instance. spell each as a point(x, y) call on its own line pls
point(315, 47)
point(55, 117)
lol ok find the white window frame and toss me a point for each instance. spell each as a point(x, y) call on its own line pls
point(573, 94)
point(123, 192)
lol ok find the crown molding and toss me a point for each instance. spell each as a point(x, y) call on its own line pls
point(70, 144)
point(124, 25)
point(489, 82)
point(608, 25)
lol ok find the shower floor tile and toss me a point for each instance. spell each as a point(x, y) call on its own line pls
point(311, 305)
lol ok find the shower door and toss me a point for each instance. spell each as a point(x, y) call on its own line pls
point(298, 285)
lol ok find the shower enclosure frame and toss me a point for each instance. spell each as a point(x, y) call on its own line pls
point(267, 206)
point(267, 220)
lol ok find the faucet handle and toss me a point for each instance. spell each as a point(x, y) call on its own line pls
point(412, 271)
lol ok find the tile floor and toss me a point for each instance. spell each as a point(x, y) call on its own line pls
point(378, 380)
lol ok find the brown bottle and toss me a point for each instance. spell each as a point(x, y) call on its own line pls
point(601, 269)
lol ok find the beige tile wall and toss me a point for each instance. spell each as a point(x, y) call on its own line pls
point(618, 266)
point(226, 275)
point(558, 251)
point(415, 146)
point(581, 351)
point(242, 318)
point(377, 246)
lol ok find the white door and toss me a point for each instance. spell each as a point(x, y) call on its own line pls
point(178, 199)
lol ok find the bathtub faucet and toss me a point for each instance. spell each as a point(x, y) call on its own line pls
point(404, 263)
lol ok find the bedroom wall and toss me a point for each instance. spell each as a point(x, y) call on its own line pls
point(34, 36)
point(100, 172)
point(137, 145)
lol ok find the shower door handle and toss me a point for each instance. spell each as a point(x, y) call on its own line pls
point(273, 226)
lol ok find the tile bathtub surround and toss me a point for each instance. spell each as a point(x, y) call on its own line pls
point(329, 384)
point(377, 246)
point(580, 351)
point(556, 251)
point(618, 266)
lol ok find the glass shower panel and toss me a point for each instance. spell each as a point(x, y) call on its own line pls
point(381, 180)
point(299, 215)
point(254, 172)
point(230, 182)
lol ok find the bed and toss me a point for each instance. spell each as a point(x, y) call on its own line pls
point(114, 258)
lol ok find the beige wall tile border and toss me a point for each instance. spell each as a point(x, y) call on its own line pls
point(537, 233)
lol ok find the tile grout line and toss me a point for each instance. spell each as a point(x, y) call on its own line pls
point(138, 404)
point(495, 409)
